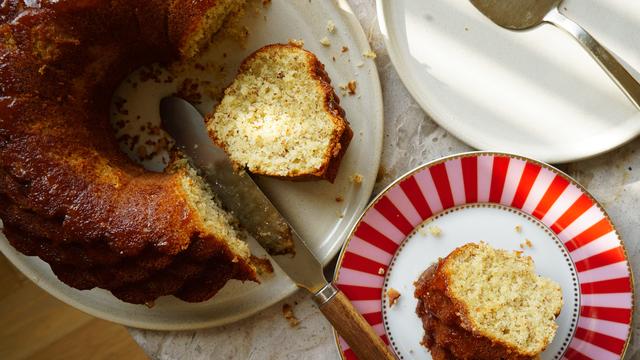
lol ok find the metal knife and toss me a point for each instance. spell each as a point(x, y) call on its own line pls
point(186, 125)
point(525, 14)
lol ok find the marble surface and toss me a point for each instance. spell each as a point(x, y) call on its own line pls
point(411, 138)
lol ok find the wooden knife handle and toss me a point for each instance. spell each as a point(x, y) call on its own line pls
point(353, 328)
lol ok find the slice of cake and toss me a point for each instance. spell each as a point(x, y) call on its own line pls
point(281, 117)
point(483, 303)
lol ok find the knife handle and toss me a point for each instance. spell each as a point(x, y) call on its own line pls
point(620, 76)
point(349, 324)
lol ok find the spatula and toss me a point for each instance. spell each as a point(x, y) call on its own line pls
point(186, 125)
point(525, 14)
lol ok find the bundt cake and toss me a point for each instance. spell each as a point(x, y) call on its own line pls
point(67, 193)
point(485, 304)
point(281, 117)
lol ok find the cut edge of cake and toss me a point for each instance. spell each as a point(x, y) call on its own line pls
point(491, 307)
point(281, 117)
point(214, 221)
point(195, 26)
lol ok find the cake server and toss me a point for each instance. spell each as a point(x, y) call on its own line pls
point(186, 125)
point(526, 14)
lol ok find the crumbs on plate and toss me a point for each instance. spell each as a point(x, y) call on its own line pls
point(331, 27)
point(296, 42)
point(356, 178)
point(287, 312)
point(393, 295)
point(370, 54)
point(526, 243)
point(325, 41)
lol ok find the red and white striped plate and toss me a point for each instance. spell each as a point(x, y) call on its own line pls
point(484, 196)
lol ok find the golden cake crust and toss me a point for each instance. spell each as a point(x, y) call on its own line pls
point(68, 194)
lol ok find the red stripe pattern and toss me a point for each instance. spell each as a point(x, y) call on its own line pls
point(500, 167)
point(470, 177)
point(529, 176)
point(441, 179)
point(553, 193)
point(578, 208)
point(593, 241)
point(410, 186)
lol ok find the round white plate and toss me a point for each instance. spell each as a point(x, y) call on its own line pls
point(536, 92)
point(512, 203)
point(311, 207)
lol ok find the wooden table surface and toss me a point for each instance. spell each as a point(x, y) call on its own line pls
point(36, 325)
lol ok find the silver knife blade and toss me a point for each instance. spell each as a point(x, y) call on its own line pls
point(240, 195)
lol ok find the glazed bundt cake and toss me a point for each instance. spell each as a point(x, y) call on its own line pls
point(282, 90)
point(67, 193)
point(485, 304)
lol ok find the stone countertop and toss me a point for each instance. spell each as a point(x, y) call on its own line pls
point(411, 138)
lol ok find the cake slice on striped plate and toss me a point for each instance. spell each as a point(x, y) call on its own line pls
point(484, 303)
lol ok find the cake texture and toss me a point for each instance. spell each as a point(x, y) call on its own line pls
point(483, 303)
point(68, 194)
point(281, 117)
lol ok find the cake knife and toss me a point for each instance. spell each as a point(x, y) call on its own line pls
point(186, 125)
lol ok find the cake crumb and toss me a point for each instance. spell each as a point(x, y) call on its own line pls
point(360, 64)
point(325, 41)
point(370, 54)
point(518, 228)
point(339, 198)
point(331, 27)
point(526, 243)
point(435, 230)
point(344, 49)
point(356, 179)
point(393, 295)
point(381, 271)
point(287, 312)
point(351, 87)
point(296, 42)
point(263, 265)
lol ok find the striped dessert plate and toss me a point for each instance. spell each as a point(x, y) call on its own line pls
point(510, 202)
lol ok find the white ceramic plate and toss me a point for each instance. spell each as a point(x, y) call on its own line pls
point(311, 207)
point(536, 93)
point(485, 196)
